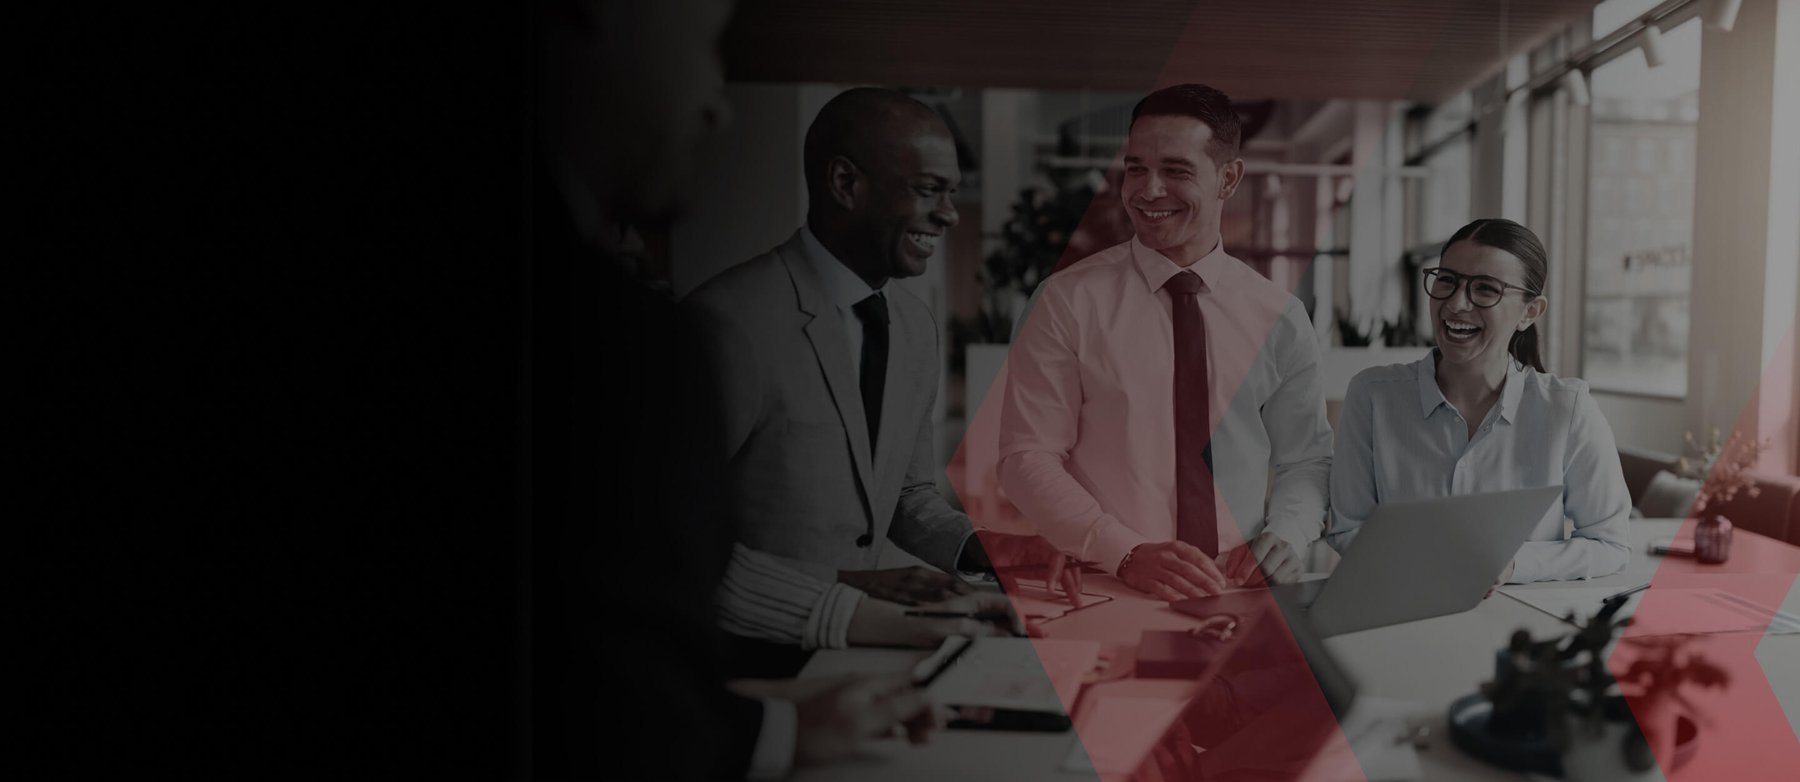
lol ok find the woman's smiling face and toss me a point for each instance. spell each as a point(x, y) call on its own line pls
point(1467, 334)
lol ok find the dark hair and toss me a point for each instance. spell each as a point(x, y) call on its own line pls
point(1203, 103)
point(856, 123)
point(1519, 242)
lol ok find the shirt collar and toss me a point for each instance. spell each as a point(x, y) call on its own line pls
point(841, 286)
point(1514, 388)
point(1430, 396)
point(1157, 268)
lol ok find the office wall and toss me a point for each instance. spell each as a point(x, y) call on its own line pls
point(1793, 433)
point(1643, 422)
point(1784, 424)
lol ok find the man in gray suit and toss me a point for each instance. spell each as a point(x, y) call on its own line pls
point(830, 376)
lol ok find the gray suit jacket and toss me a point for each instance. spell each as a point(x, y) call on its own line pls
point(802, 476)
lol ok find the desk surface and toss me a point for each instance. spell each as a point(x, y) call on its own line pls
point(1429, 662)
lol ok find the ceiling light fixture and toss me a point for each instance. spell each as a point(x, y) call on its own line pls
point(1576, 83)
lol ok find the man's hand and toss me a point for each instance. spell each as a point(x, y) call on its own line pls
point(852, 709)
point(1001, 552)
point(881, 623)
point(1172, 571)
point(1504, 576)
point(1266, 559)
point(906, 585)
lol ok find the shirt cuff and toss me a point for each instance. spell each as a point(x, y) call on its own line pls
point(1297, 539)
point(828, 625)
point(958, 559)
point(1523, 570)
point(773, 757)
point(1109, 542)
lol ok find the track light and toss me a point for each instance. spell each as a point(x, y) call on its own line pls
point(1652, 46)
point(1722, 14)
point(1576, 83)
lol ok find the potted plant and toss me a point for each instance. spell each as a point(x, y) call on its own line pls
point(1045, 219)
point(1555, 705)
point(1723, 467)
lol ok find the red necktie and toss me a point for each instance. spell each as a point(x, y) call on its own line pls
point(1195, 521)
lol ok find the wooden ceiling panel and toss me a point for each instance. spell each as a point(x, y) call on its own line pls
point(1378, 49)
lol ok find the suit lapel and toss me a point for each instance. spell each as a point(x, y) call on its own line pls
point(833, 356)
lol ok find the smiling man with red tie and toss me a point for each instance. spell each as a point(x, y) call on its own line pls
point(1164, 414)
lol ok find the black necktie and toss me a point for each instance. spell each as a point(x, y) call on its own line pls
point(1195, 521)
point(873, 313)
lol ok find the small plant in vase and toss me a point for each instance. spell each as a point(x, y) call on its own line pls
point(1539, 685)
point(1723, 468)
point(1654, 686)
point(1555, 706)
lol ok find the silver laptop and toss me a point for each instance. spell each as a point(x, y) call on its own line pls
point(1413, 560)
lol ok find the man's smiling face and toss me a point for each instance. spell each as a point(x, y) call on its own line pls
point(1173, 191)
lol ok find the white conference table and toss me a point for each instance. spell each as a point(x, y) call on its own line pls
point(1427, 663)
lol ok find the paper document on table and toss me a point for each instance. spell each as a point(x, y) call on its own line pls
point(1115, 734)
point(1034, 600)
point(1017, 673)
point(1678, 610)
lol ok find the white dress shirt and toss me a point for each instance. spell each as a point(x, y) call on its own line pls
point(1399, 439)
point(844, 289)
point(1087, 440)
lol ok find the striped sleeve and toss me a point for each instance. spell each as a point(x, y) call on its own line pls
point(762, 597)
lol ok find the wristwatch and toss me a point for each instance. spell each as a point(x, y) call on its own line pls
point(1120, 572)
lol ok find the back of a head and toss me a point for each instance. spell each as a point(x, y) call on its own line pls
point(627, 92)
point(1203, 103)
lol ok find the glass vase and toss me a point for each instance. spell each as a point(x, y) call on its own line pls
point(1712, 540)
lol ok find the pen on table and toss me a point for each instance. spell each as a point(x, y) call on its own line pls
point(1041, 567)
point(1613, 605)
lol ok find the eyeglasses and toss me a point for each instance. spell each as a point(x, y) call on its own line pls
point(1484, 292)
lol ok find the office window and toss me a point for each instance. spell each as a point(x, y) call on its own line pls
point(1640, 219)
point(1613, 14)
point(1437, 204)
point(1445, 204)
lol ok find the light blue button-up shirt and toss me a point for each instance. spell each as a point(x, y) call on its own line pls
point(1399, 439)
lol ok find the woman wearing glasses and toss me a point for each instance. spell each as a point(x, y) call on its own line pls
point(1480, 414)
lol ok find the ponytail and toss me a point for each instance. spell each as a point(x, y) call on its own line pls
point(1525, 349)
